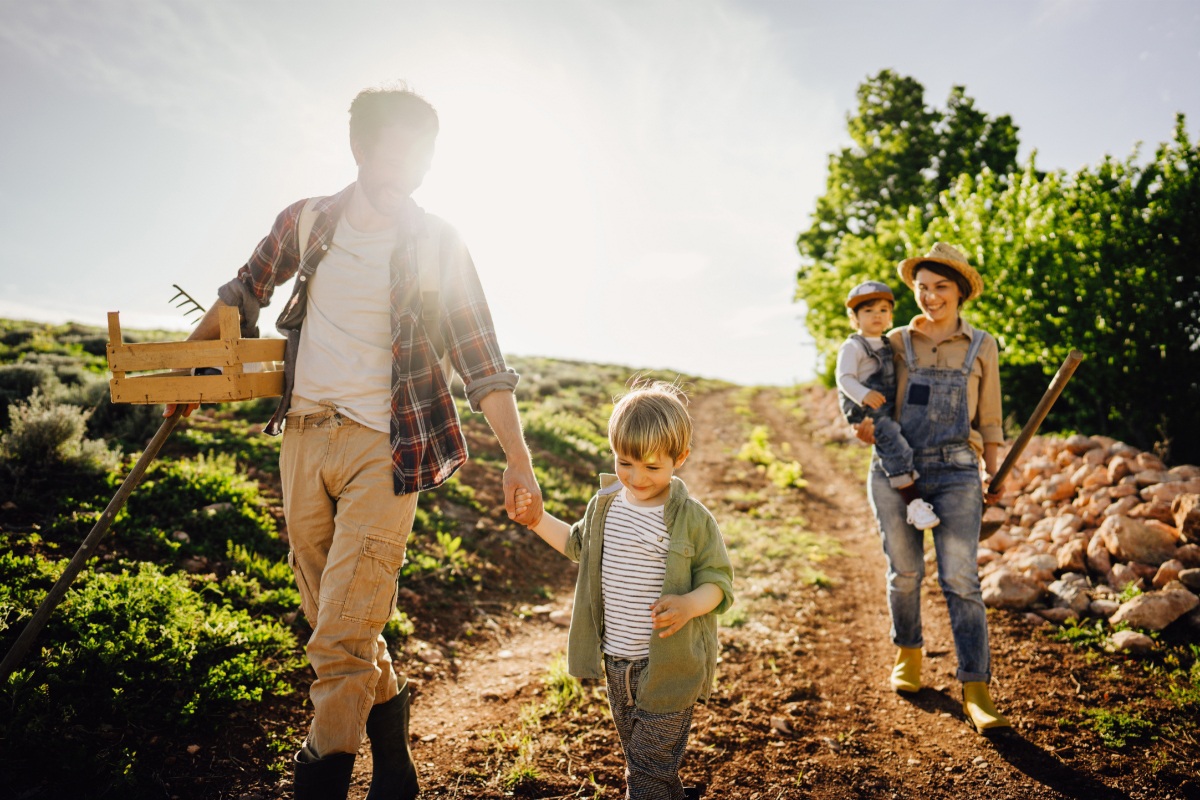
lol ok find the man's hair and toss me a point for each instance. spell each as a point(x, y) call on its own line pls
point(938, 268)
point(378, 107)
point(650, 419)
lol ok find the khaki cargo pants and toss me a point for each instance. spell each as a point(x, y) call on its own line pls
point(348, 532)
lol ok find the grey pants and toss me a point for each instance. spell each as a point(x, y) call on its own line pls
point(653, 743)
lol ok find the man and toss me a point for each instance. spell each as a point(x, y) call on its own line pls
point(368, 420)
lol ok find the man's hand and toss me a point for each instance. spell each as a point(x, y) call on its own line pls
point(519, 478)
point(188, 408)
point(874, 399)
point(865, 430)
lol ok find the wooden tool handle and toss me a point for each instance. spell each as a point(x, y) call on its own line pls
point(1035, 420)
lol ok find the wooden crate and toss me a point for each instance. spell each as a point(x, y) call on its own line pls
point(166, 367)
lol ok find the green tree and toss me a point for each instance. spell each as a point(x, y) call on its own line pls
point(904, 155)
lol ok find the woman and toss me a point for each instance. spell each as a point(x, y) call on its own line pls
point(948, 405)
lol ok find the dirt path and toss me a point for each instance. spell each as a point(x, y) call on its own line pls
point(802, 707)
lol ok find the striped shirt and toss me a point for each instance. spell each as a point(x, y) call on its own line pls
point(632, 568)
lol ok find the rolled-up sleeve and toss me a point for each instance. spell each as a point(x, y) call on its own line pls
point(989, 412)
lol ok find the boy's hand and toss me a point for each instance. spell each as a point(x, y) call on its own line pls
point(523, 500)
point(671, 612)
point(874, 399)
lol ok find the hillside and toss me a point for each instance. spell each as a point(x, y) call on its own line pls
point(209, 703)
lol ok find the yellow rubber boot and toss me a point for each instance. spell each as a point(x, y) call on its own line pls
point(978, 708)
point(906, 675)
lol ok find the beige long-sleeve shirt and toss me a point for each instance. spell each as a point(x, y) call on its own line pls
point(983, 385)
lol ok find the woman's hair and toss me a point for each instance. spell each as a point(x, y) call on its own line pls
point(960, 280)
point(377, 108)
point(650, 419)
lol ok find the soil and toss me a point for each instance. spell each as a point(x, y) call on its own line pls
point(803, 706)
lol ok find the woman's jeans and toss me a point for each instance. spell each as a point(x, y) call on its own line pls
point(949, 479)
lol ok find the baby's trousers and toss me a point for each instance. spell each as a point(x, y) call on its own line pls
point(653, 743)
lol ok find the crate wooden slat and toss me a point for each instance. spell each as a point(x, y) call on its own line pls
point(169, 385)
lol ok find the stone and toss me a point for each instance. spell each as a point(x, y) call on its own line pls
point(1103, 608)
point(1185, 510)
point(986, 556)
point(1011, 589)
point(1065, 526)
point(1190, 578)
point(1167, 572)
point(1128, 539)
point(1145, 572)
point(1098, 559)
point(1122, 506)
point(1168, 490)
point(1069, 595)
point(1079, 444)
point(1155, 509)
point(1156, 610)
point(1185, 472)
point(431, 655)
point(1040, 567)
point(1150, 477)
point(561, 617)
point(1001, 541)
point(1118, 467)
point(1042, 529)
point(1057, 615)
point(1188, 554)
point(1122, 490)
point(1056, 489)
point(1145, 460)
point(1122, 576)
point(1072, 556)
point(1130, 642)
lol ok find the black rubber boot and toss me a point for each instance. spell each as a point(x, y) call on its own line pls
point(325, 778)
point(694, 792)
point(394, 776)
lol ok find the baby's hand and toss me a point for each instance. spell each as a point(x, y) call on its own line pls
point(671, 612)
point(874, 399)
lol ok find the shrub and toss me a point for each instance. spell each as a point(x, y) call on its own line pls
point(209, 499)
point(44, 435)
point(130, 651)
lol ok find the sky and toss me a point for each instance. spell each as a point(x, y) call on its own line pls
point(630, 176)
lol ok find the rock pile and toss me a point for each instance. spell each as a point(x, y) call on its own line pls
point(1082, 520)
point(1085, 518)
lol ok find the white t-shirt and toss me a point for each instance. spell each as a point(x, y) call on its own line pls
point(345, 355)
point(632, 569)
point(854, 365)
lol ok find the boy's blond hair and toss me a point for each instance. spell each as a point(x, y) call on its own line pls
point(650, 419)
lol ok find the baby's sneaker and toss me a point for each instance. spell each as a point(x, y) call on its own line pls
point(921, 515)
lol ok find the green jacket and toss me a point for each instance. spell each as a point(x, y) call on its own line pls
point(681, 666)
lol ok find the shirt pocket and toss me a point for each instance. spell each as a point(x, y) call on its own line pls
point(372, 590)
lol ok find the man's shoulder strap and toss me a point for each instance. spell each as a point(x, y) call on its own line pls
point(308, 215)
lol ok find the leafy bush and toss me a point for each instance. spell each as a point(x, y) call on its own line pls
point(44, 436)
point(163, 655)
point(208, 498)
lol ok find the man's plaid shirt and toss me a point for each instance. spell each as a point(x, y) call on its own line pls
point(426, 436)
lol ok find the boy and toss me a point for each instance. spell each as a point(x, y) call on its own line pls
point(866, 381)
point(653, 575)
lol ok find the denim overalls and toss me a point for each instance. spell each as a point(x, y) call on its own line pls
point(890, 444)
point(935, 421)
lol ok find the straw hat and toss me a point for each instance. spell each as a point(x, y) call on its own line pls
point(867, 291)
point(943, 254)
